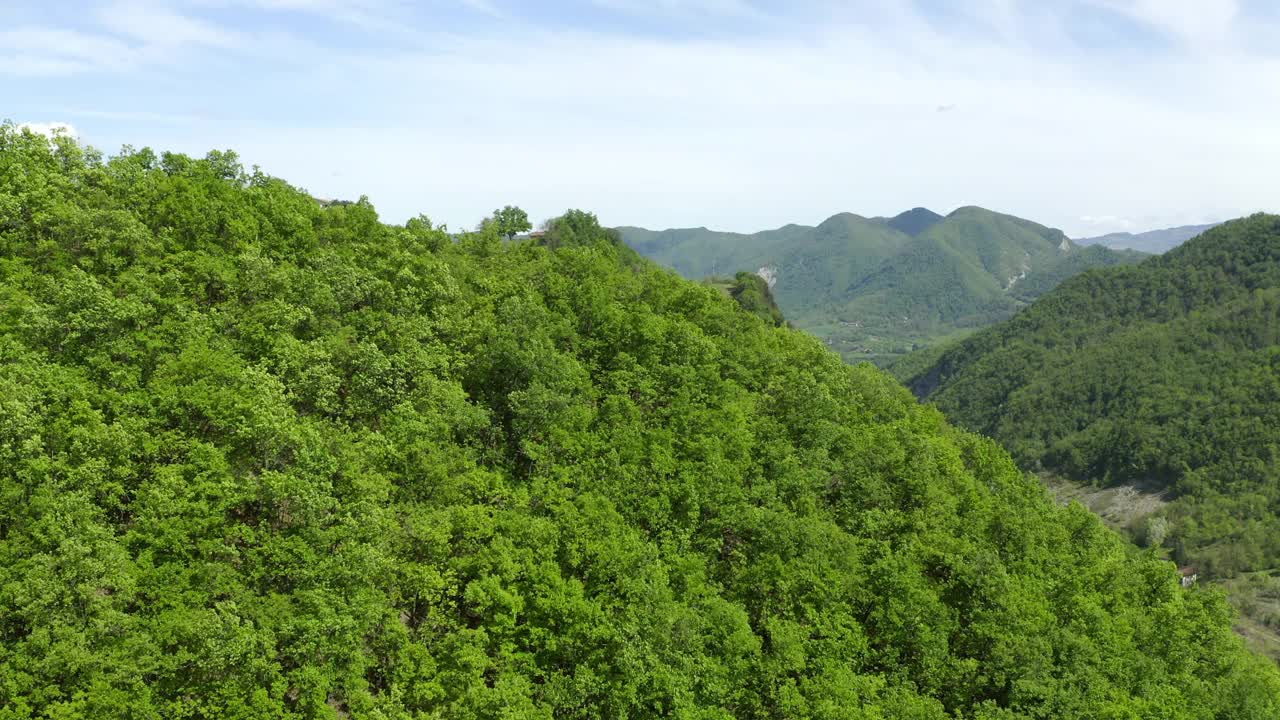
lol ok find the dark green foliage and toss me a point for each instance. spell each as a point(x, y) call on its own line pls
point(261, 458)
point(911, 365)
point(875, 289)
point(1164, 372)
point(1057, 270)
point(913, 221)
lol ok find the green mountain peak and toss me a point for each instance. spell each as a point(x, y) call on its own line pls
point(878, 287)
point(914, 221)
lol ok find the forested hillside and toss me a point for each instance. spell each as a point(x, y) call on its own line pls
point(261, 458)
point(877, 288)
point(1164, 373)
point(810, 264)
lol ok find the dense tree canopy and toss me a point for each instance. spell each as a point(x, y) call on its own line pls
point(264, 458)
point(1166, 372)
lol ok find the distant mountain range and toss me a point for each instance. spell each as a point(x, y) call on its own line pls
point(877, 288)
point(1155, 241)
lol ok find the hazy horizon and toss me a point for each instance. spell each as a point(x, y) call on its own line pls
point(1132, 231)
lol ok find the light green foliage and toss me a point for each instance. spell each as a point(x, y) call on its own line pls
point(510, 221)
point(261, 458)
point(1155, 531)
point(877, 288)
point(752, 294)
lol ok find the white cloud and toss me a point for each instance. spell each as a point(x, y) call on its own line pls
point(804, 128)
point(43, 51)
point(38, 66)
point(132, 116)
point(486, 7)
point(691, 134)
point(382, 16)
point(50, 129)
point(131, 36)
point(686, 8)
point(154, 24)
point(743, 132)
point(1203, 23)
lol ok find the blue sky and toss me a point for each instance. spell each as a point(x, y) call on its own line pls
point(1090, 115)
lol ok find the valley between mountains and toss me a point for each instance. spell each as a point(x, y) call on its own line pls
point(877, 288)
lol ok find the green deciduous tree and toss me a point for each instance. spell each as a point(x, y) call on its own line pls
point(510, 221)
